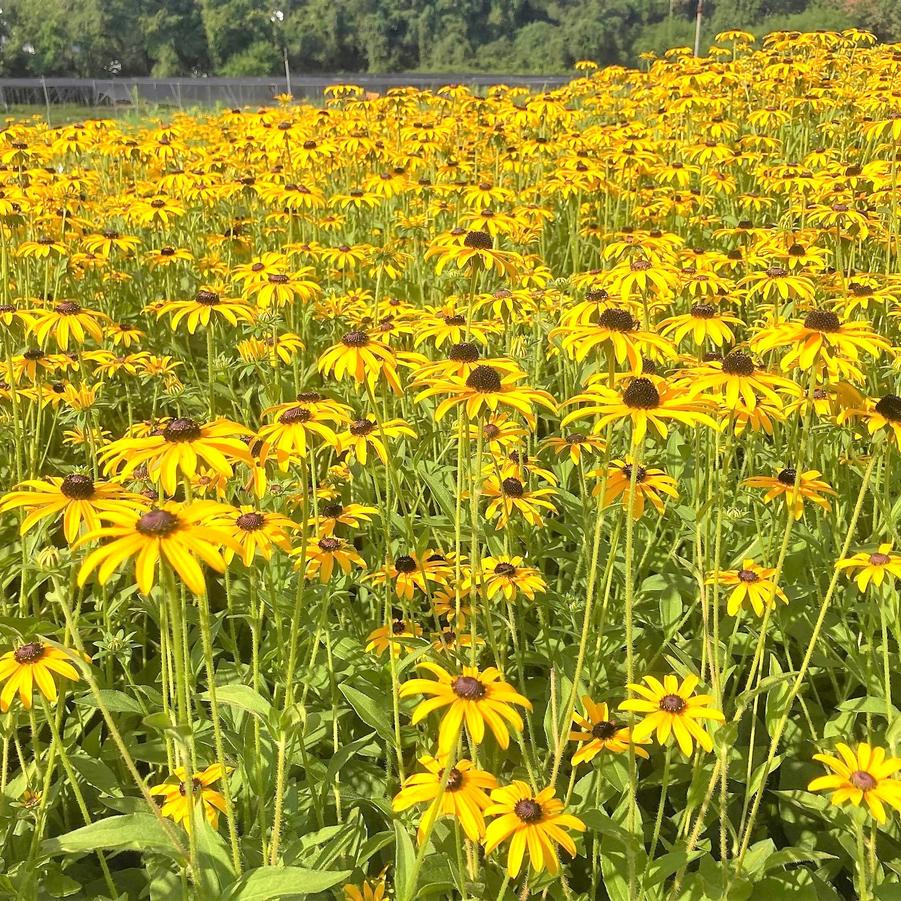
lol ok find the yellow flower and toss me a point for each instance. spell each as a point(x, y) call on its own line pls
point(599, 732)
point(671, 709)
point(199, 311)
point(68, 320)
point(861, 775)
point(753, 585)
point(362, 358)
point(533, 821)
point(178, 795)
point(873, 567)
point(795, 487)
point(33, 664)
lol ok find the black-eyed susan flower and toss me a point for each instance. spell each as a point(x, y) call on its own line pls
point(287, 439)
point(533, 821)
point(67, 321)
point(77, 497)
point(464, 797)
point(33, 664)
point(795, 487)
point(650, 483)
point(577, 445)
point(597, 731)
point(368, 890)
point(671, 708)
point(200, 310)
point(864, 775)
point(179, 795)
point(874, 567)
point(363, 434)
point(478, 698)
point(754, 586)
point(411, 571)
point(739, 381)
point(510, 495)
point(362, 358)
point(704, 323)
point(180, 534)
point(335, 513)
point(474, 250)
point(176, 448)
point(396, 636)
point(506, 575)
point(326, 554)
point(257, 532)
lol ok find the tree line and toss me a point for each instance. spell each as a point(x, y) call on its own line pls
point(99, 38)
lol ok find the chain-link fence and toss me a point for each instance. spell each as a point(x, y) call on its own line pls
point(233, 92)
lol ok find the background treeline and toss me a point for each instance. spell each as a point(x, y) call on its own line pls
point(96, 38)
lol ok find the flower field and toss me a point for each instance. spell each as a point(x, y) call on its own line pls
point(465, 497)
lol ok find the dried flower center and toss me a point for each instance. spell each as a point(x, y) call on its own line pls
point(468, 688)
point(863, 780)
point(405, 564)
point(157, 523)
point(181, 430)
point(890, 407)
point(672, 704)
point(484, 379)
point(361, 427)
point(505, 569)
point(355, 339)
point(878, 559)
point(604, 730)
point(454, 780)
point(478, 240)
point(738, 363)
point(28, 653)
point(788, 476)
point(67, 308)
point(77, 487)
point(328, 545)
point(703, 311)
point(455, 320)
point(207, 298)
point(528, 810)
point(250, 522)
point(617, 320)
point(748, 575)
point(512, 488)
point(465, 352)
point(822, 321)
point(295, 415)
point(641, 395)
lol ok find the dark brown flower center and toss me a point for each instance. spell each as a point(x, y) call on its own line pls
point(505, 569)
point(863, 780)
point(890, 407)
point(405, 564)
point(309, 397)
point(465, 352)
point(478, 240)
point(822, 321)
point(576, 438)
point(641, 395)
point(184, 788)
point(181, 430)
point(748, 575)
point(484, 379)
point(776, 272)
point(295, 415)
point(788, 476)
point(278, 279)
point(355, 339)
point(604, 730)
point(617, 320)
point(468, 688)
point(454, 780)
point(528, 810)
point(879, 559)
point(640, 266)
point(738, 363)
point(512, 488)
point(672, 704)
point(333, 510)
point(639, 476)
point(157, 523)
point(33, 354)
point(28, 653)
point(455, 320)
point(67, 308)
point(77, 487)
point(703, 311)
point(329, 545)
point(250, 522)
point(207, 298)
point(361, 427)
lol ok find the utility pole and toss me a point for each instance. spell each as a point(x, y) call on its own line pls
point(698, 28)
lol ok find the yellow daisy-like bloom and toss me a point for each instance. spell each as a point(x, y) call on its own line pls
point(68, 320)
point(464, 798)
point(650, 483)
point(754, 585)
point(363, 359)
point(885, 413)
point(177, 447)
point(576, 444)
point(34, 663)
point(287, 437)
point(395, 636)
point(478, 698)
point(511, 496)
point(77, 497)
point(323, 554)
point(335, 513)
point(740, 382)
point(411, 571)
point(367, 891)
point(363, 434)
point(507, 576)
point(642, 403)
point(599, 732)
point(475, 250)
point(820, 340)
point(874, 567)
point(200, 310)
point(794, 487)
point(533, 821)
point(488, 388)
point(177, 533)
point(671, 709)
point(864, 775)
point(256, 531)
point(178, 795)
point(704, 322)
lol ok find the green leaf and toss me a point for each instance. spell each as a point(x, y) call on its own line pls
point(370, 708)
point(267, 883)
point(243, 697)
point(130, 832)
point(404, 860)
point(214, 863)
point(116, 701)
